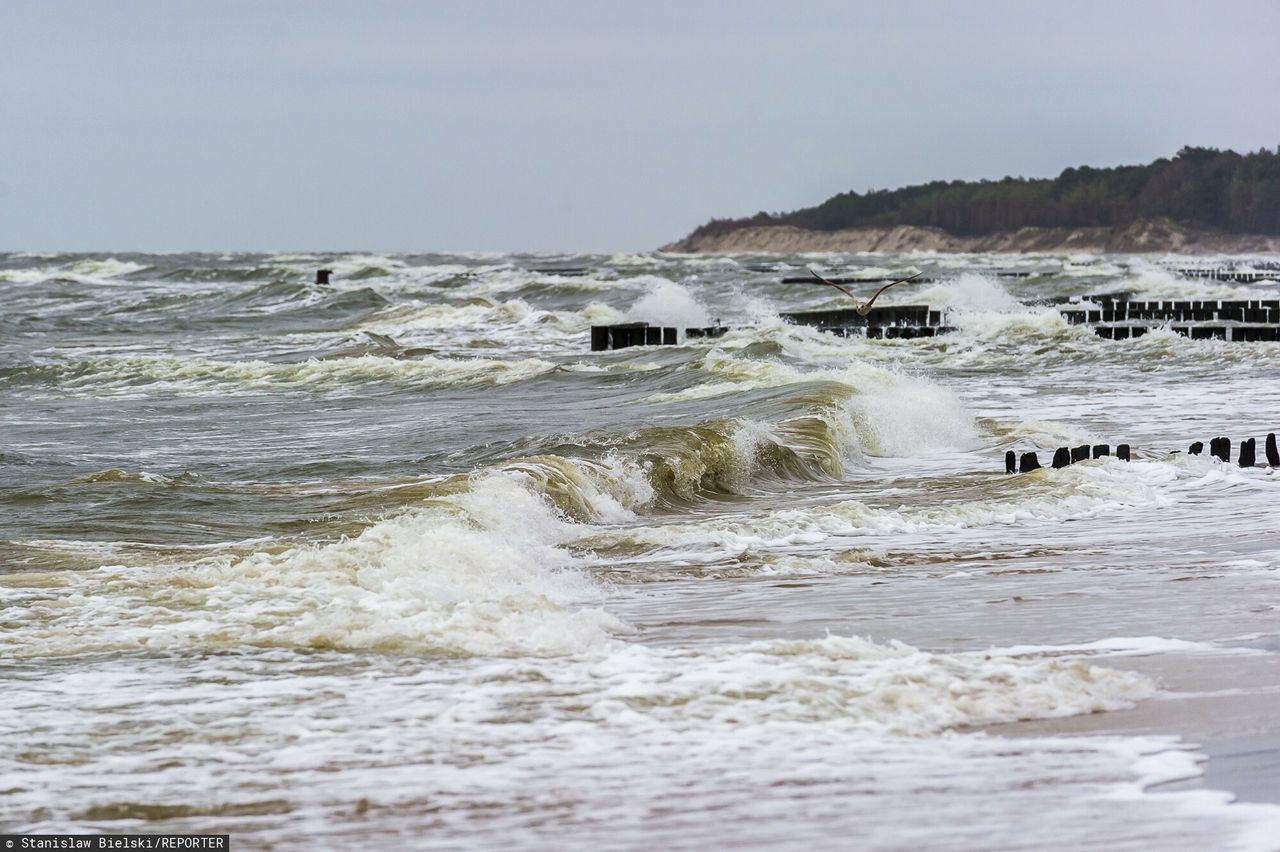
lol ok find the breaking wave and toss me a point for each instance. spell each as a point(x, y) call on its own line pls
point(478, 572)
point(203, 376)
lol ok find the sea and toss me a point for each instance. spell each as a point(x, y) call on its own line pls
point(397, 561)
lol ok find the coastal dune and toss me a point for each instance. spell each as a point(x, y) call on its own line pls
point(1144, 236)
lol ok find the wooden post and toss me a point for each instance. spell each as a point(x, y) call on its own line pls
point(1196, 449)
point(1079, 453)
point(1029, 462)
point(1122, 452)
point(1248, 454)
point(1100, 450)
point(1273, 457)
point(1010, 462)
point(1061, 457)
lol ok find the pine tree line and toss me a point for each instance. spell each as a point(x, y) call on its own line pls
point(1202, 187)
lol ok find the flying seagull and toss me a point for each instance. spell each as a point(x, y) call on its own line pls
point(862, 309)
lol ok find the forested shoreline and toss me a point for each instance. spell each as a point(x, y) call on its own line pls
point(1207, 188)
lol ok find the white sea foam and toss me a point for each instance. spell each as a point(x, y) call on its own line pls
point(480, 572)
point(969, 292)
point(669, 304)
point(102, 272)
point(107, 268)
point(890, 689)
point(906, 416)
point(414, 315)
point(1076, 492)
point(131, 377)
point(892, 413)
point(1148, 281)
point(710, 262)
point(512, 324)
point(624, 743)
point(633, 259)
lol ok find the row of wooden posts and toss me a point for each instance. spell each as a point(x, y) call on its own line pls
point(1249, 320)
point(888, 315)
point(622, 336)
point(1233, 333)
point(1227, 310)
point(1239, 276)
point(628, 334)
point(1062, 457)
point(1219, 448)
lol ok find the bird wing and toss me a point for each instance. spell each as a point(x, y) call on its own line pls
point(863, 310)
point(831, 283)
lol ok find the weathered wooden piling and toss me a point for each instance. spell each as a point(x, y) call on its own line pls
point(1248, 453)
point(322, 276)
point(1220, 448)
point(1273, 457)
point(1029, 462)
point(1100, 450)
point(1122, 452)
point(1196, 449)
point(892, 315)
point(625, 335)
point(1079, 453)
point(1010, 461)
point(1061, 457)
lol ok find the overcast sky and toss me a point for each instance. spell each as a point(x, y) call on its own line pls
point(578, 125)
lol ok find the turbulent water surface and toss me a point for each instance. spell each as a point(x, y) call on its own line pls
point(396, 561)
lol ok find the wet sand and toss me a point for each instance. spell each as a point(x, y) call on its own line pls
point(1223, 705)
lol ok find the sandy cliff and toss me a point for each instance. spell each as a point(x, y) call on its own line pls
point(1143, 236)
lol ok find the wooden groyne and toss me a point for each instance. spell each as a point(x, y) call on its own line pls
point(1233, 334)
point(913, 315)
point(884, 279)
point(1264, 311)
point(887, 332)
point(1062, 457)
point(1113, 316)
point(1219, 448)
point(1239, 276)
point(626, 335)
point(1116, 316)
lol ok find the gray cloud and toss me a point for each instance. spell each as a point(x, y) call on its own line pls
point(555, 125)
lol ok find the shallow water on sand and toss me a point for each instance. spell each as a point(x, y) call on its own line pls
point(398, 561)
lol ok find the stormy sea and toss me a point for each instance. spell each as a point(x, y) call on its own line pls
point(397, 561)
